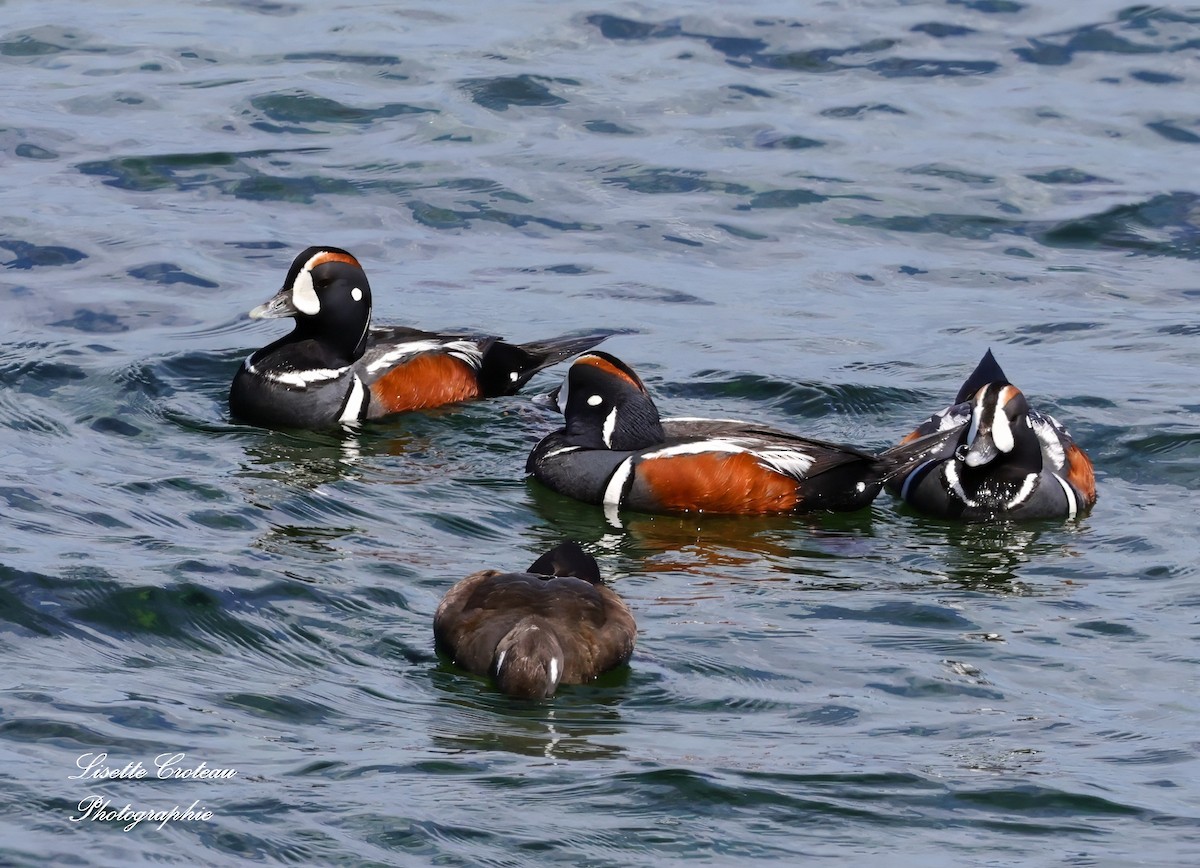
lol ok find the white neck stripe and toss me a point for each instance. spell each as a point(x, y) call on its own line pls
point(306, 378)
point(610, 425)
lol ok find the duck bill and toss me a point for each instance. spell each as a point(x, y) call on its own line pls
point(278, 307)
point(991, 432)
point(982, 450)
point(549, 400)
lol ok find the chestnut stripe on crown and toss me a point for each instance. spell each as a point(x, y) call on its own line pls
point(330, 256)
point(609, 368)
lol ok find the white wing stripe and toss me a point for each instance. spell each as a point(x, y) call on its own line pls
point(789, 462)
point(464, 350)
point(697, 447)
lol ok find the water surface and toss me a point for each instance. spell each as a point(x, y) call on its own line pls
point(814, 217)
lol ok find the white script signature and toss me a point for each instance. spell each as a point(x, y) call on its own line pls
point(96, 808)
point(167, 766)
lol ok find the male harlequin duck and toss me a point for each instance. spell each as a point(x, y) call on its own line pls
point(615, 451)
point(990, 455)
point(556, 623)
point(334, 368)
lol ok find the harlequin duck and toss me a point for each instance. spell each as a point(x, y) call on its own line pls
point(990, 455)
point(615, 451)
point(334, 368)
point(556, 623)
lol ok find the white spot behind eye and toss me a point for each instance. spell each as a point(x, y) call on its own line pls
point(304, 294)
point(595, 400)
point(356, 294)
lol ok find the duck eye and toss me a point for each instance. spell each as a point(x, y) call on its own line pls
point(595, 401)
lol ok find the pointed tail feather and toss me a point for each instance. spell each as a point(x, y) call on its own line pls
point(507, 367)
point(900, 460)
point(987, 371)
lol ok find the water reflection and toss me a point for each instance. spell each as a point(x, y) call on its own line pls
point(992, 557)
point(775, 547)
point(473, 716)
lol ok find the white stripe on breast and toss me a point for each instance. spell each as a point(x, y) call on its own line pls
point(616, 482)
point(1026, 489)
point(1072, 501)
point(355, 401)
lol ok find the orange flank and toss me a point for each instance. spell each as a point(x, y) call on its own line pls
point(609, 368)
point(718, 482)
point(1080, 473)
point(429, 380)
point(909, 438)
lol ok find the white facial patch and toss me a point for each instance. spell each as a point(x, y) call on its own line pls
point(595, 401)
point(356, 294)
point(1002, 434)
point(304, 294)
point(610, 425)
point(554, 670)
point(564, 392)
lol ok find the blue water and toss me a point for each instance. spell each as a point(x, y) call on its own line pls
point(813, 215)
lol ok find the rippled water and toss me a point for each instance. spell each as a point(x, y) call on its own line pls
point(814, 215)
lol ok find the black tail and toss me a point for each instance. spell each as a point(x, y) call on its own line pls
point(568, 559)
point(507, 367)
point(903, 458)
point(987, 371)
